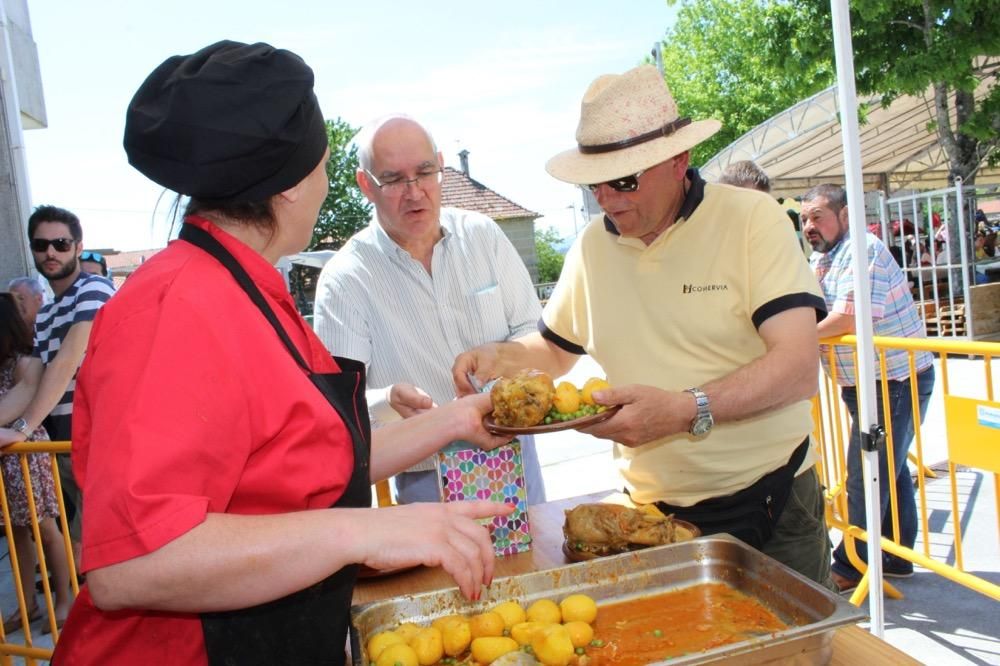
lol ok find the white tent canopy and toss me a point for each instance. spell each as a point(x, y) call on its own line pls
point(802, 146)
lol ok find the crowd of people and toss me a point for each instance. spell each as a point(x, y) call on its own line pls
point(223, 452)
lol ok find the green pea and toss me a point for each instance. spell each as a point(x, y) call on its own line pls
point(597, 642)
point(580, 651)
point(657, 633)
point(548, 420)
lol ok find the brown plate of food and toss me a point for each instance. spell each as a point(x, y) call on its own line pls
point(584, 421)
point(597, 530)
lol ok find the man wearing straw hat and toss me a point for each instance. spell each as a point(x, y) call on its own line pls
point(698, 303)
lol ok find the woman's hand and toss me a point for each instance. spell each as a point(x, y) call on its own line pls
point(10, 436)
point(445, 535)
point(469, 411)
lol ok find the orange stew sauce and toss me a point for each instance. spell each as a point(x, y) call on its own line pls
point(694, 619)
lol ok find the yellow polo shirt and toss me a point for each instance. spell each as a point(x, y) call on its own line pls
point(680, 313)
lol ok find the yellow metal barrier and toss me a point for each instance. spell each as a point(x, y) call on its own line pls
point(28, 650)
point(973, 440)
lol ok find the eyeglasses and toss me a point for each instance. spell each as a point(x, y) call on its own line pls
point(60, 244)
point(623, 184)
point(398, 184)
point(88, 255)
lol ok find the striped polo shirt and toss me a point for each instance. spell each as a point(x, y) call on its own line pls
point(893, 311)
point(79, 303)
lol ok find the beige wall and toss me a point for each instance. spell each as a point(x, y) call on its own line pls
point(521, 232)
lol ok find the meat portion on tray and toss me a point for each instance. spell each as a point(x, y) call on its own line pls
point(604, 529)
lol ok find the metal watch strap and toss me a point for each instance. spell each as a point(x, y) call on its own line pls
point(21, 426)
point(702, 421)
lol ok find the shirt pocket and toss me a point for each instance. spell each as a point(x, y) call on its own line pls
point(488, 321)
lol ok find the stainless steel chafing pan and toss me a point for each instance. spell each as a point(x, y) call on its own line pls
point(811, 611)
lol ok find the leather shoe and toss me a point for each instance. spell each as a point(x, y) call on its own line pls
point(843, 583)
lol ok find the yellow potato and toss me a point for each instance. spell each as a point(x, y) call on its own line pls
point(381, 641)
point(511, 612)
point(444, 620)
point(455, 637)
point(578, 607)
point(523, 632)
point(591, 385)
point(490, 648)
point(407, 630)
point(399, 654)
point(580, 633)
point(567, 398)
point(428, 645)
point(552, 646)
point(486, 624)
point(544, 611)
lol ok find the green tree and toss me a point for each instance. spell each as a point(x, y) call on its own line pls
point(550, 262)
point(905, 47)
point(717, 66)
point(345, 210)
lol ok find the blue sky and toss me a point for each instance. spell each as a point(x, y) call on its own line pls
point(502, 80)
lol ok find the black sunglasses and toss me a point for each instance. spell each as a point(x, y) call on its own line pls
point(88, 255)
point(60, 244)
point(623, 184)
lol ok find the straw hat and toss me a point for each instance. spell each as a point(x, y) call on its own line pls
point(628, 122)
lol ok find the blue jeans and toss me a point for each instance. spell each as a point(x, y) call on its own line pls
point(901, 411)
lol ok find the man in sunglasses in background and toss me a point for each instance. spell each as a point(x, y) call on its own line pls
point(418, 286)
point(62, 328)
point(93, 263)
point(698, 303)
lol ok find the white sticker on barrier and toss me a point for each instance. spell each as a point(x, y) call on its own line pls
point(988, 416)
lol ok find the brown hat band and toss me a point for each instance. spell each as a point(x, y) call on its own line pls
point(666, 130)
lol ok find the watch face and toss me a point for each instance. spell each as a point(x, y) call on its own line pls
point(702, 426)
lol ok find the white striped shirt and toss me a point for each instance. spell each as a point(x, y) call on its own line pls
point(377, 304)
point(79, 303)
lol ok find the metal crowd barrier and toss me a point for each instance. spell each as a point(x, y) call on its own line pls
point(972, 433)
point(27, 649)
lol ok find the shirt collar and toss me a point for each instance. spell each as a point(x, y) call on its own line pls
point(387, 245)
point(261, 272)
point(692, 199)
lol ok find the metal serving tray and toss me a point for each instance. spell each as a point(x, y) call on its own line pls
point(811, 611)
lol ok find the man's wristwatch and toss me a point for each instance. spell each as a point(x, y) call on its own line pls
point(703, 421)
point(21, 426)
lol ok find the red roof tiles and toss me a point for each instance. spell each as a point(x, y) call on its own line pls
point(460, 191)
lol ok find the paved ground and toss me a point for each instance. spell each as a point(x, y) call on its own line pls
point(937, 621)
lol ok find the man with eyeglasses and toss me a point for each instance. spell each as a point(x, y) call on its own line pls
point(418, 286)
point(61, 332)
point(696, 300)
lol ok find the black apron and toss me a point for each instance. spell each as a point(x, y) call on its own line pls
point(309, 626)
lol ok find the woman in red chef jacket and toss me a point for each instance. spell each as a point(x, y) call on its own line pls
point(223, 454)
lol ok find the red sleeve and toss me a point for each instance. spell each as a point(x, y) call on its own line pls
point(162, 420)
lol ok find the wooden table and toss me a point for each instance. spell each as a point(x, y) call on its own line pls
point(852, 645)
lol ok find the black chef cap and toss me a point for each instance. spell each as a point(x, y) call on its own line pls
point(230, 123)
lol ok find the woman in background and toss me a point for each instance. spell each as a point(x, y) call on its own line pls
point(18, 380)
